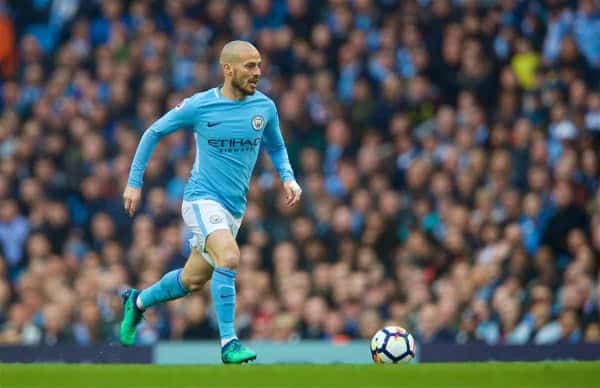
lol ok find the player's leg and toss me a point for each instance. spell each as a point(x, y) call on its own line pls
point(174, 284)
point(196, 271)
point(177, 283)
point(222, 247)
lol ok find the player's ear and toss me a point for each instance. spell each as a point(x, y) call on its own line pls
point(227, 70)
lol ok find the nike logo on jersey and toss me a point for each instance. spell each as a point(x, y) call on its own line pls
point(209, 124)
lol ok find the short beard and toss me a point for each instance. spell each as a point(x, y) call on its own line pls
point(236, 85)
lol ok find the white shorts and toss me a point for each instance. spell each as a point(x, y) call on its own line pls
point(203, 217)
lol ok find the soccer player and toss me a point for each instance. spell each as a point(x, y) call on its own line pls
point(229, 123)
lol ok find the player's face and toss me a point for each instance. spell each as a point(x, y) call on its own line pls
point(247, 73)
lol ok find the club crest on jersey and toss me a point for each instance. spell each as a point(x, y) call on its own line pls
point(258, 122)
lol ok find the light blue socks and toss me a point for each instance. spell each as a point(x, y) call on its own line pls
point(222, 289)
point(169, 287)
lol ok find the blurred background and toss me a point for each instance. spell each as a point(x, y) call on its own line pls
point(448, 151)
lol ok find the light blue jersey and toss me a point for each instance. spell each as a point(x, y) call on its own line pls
point(228, 136)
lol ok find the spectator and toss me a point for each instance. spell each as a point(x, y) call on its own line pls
point(14, 229)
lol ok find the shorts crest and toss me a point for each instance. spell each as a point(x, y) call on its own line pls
point(215, 219)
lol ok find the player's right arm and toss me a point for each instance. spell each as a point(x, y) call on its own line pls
point(179, 117)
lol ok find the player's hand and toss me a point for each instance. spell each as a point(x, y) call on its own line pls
point(131, 199)
point(292, 192)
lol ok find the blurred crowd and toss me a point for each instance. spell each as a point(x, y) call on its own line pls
point(448, 151)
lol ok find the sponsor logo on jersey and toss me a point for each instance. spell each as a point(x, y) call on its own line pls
point(235, 144)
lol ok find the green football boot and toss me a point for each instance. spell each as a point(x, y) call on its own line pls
point(132, 316)
point(236, 353)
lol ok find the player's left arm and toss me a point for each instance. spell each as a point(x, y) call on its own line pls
point(275, 146)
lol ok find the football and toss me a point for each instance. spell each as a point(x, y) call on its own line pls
point(392, 345)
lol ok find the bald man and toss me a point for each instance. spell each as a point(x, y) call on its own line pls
point(230, 123)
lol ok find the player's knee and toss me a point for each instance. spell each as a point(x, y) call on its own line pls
point(193, 282)
point(230, 259)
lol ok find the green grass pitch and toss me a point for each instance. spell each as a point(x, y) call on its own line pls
point(484, 375)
